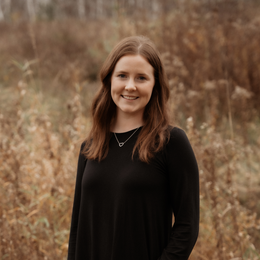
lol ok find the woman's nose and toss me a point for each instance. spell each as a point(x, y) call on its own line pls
point(130, 85)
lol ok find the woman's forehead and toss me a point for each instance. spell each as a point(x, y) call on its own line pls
point(134, 63)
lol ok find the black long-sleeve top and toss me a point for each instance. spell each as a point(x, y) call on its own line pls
point(123, 208)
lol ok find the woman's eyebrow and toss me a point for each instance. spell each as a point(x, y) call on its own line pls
point(143, 74)
point(125, 72)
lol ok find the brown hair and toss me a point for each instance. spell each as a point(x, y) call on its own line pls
point(154, 132)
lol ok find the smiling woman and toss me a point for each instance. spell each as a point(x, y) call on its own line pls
point(135, 170)
point(144, 56)
point(132, 84)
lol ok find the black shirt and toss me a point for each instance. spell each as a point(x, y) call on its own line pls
point(123, 208)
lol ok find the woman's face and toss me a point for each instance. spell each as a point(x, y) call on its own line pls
point(132, 83)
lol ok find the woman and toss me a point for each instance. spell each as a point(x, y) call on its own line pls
point(134, 170)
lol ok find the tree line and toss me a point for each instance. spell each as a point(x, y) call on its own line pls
point(82, 9)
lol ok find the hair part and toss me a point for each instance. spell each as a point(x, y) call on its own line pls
point(154, 133)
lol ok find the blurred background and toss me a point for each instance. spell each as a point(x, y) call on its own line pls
point(50, 56)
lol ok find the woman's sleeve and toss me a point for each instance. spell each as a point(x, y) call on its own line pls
point(76, 205)
point(184, 196)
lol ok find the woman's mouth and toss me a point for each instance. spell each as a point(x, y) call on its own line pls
point(129, 97)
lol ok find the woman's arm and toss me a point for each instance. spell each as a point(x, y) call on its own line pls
point(76, 205)
point(184, 197)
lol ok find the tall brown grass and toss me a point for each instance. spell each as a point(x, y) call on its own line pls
point(48, 74)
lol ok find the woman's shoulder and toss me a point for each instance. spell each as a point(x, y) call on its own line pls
point(83, 148)
point(176, 132)
point(83, 144)
point(177, 137)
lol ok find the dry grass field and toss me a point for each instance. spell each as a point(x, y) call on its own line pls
point(48, 76)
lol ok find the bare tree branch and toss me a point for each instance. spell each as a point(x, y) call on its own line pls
point(1, 12)
point(81, 9)
point(31, 10)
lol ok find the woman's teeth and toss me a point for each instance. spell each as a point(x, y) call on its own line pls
point(127, 97)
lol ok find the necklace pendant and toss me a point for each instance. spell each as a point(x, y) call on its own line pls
point(122, 143)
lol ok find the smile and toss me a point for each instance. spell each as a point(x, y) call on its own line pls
point(129, 97)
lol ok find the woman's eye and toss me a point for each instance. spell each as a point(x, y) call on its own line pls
point(121, 75)
point(142, 78)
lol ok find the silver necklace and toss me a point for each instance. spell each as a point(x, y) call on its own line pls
point(122, 143)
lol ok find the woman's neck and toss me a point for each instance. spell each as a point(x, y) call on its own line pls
point(125, 123)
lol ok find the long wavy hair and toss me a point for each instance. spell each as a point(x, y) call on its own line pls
point(155, 132)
